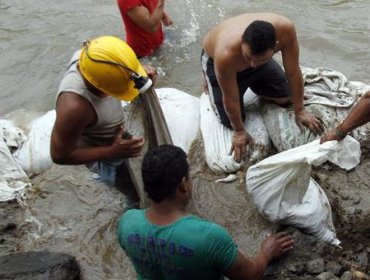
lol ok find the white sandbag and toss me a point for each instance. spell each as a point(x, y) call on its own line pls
point(34, 155)
point(13, 180)
point(281, 125)
point(285, 133)
point(181, 111)
point(328, 94)
point(284, 192)
point(217, 138)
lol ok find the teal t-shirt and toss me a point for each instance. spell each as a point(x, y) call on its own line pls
point(190, 248)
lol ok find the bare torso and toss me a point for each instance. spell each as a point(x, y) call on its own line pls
point(225, 39)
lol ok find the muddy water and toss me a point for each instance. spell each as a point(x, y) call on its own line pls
point(72, 213)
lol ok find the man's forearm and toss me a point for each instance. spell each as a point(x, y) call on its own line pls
point(233, 112)
point(360, 115)
point(83, 155)
point(158, 13)
point(150, 22)
point(296, 88)
point(260, 264)
point(295, 82)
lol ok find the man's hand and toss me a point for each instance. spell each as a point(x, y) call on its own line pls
point(152, 72)
point(166, 19)
point(240, 141)
point(127, 148)
point(330, 136)
point(274, 246)
point(304, 118)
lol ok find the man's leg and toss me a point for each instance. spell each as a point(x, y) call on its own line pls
point(125, 184)
point(107, 171)
point(214, 91)
point(269, 82)
point(114, 173)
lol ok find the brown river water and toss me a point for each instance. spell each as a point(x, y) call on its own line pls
point(70, 212)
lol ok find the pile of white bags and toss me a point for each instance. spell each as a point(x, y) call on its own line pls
point(284, 192)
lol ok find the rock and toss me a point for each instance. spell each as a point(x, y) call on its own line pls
point(361, 259)
point(39, 265)
point(327, 276)
point(333, 267)
point(295, 267)
point(356, 200)
point(350, 210)
point(346, 276)
point(315, 266)
point(359, 248)
point(358, 275)
point(347, 254)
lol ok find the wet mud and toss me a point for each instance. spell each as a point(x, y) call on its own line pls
point(68, 211)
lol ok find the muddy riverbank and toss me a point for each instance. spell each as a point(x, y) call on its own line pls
point(64, 196)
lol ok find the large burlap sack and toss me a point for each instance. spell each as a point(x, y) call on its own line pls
point(164, 116)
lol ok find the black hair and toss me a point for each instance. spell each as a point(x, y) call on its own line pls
point(260, 36)
point(162, 170)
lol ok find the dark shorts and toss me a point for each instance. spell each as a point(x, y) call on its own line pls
point(267, 80)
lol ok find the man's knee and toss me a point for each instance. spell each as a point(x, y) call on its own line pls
point(282, 101)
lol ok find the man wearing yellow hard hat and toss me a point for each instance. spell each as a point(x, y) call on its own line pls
point(89, 116)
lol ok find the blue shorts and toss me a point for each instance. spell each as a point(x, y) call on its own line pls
point(114, 173)
point(108, 170)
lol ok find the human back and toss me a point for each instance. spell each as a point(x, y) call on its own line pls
point(189, 248)
point(166, 242)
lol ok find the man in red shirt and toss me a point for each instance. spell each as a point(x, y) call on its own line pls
point(143, 21)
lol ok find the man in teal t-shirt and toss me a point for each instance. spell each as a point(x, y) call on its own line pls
point(166, 242)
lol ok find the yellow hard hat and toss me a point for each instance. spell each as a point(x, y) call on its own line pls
point(108, 64)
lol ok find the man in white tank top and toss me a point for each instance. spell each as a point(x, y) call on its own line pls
point(89, 116)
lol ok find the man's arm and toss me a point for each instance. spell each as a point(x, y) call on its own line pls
point(360, 115)
point(290, 54)
point(272, 247)
point(226, 78)
point(74, 114)
point(142, 17)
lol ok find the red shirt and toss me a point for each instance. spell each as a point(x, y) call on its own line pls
point(142, 42)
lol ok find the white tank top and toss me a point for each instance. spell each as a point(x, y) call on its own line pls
point(108, 110)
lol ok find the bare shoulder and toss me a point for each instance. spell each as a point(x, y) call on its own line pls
point(284, 24)
point(285, 32)
point(72, 106)
point(224, 37)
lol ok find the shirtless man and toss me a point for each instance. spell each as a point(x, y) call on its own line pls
point(237, 54)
